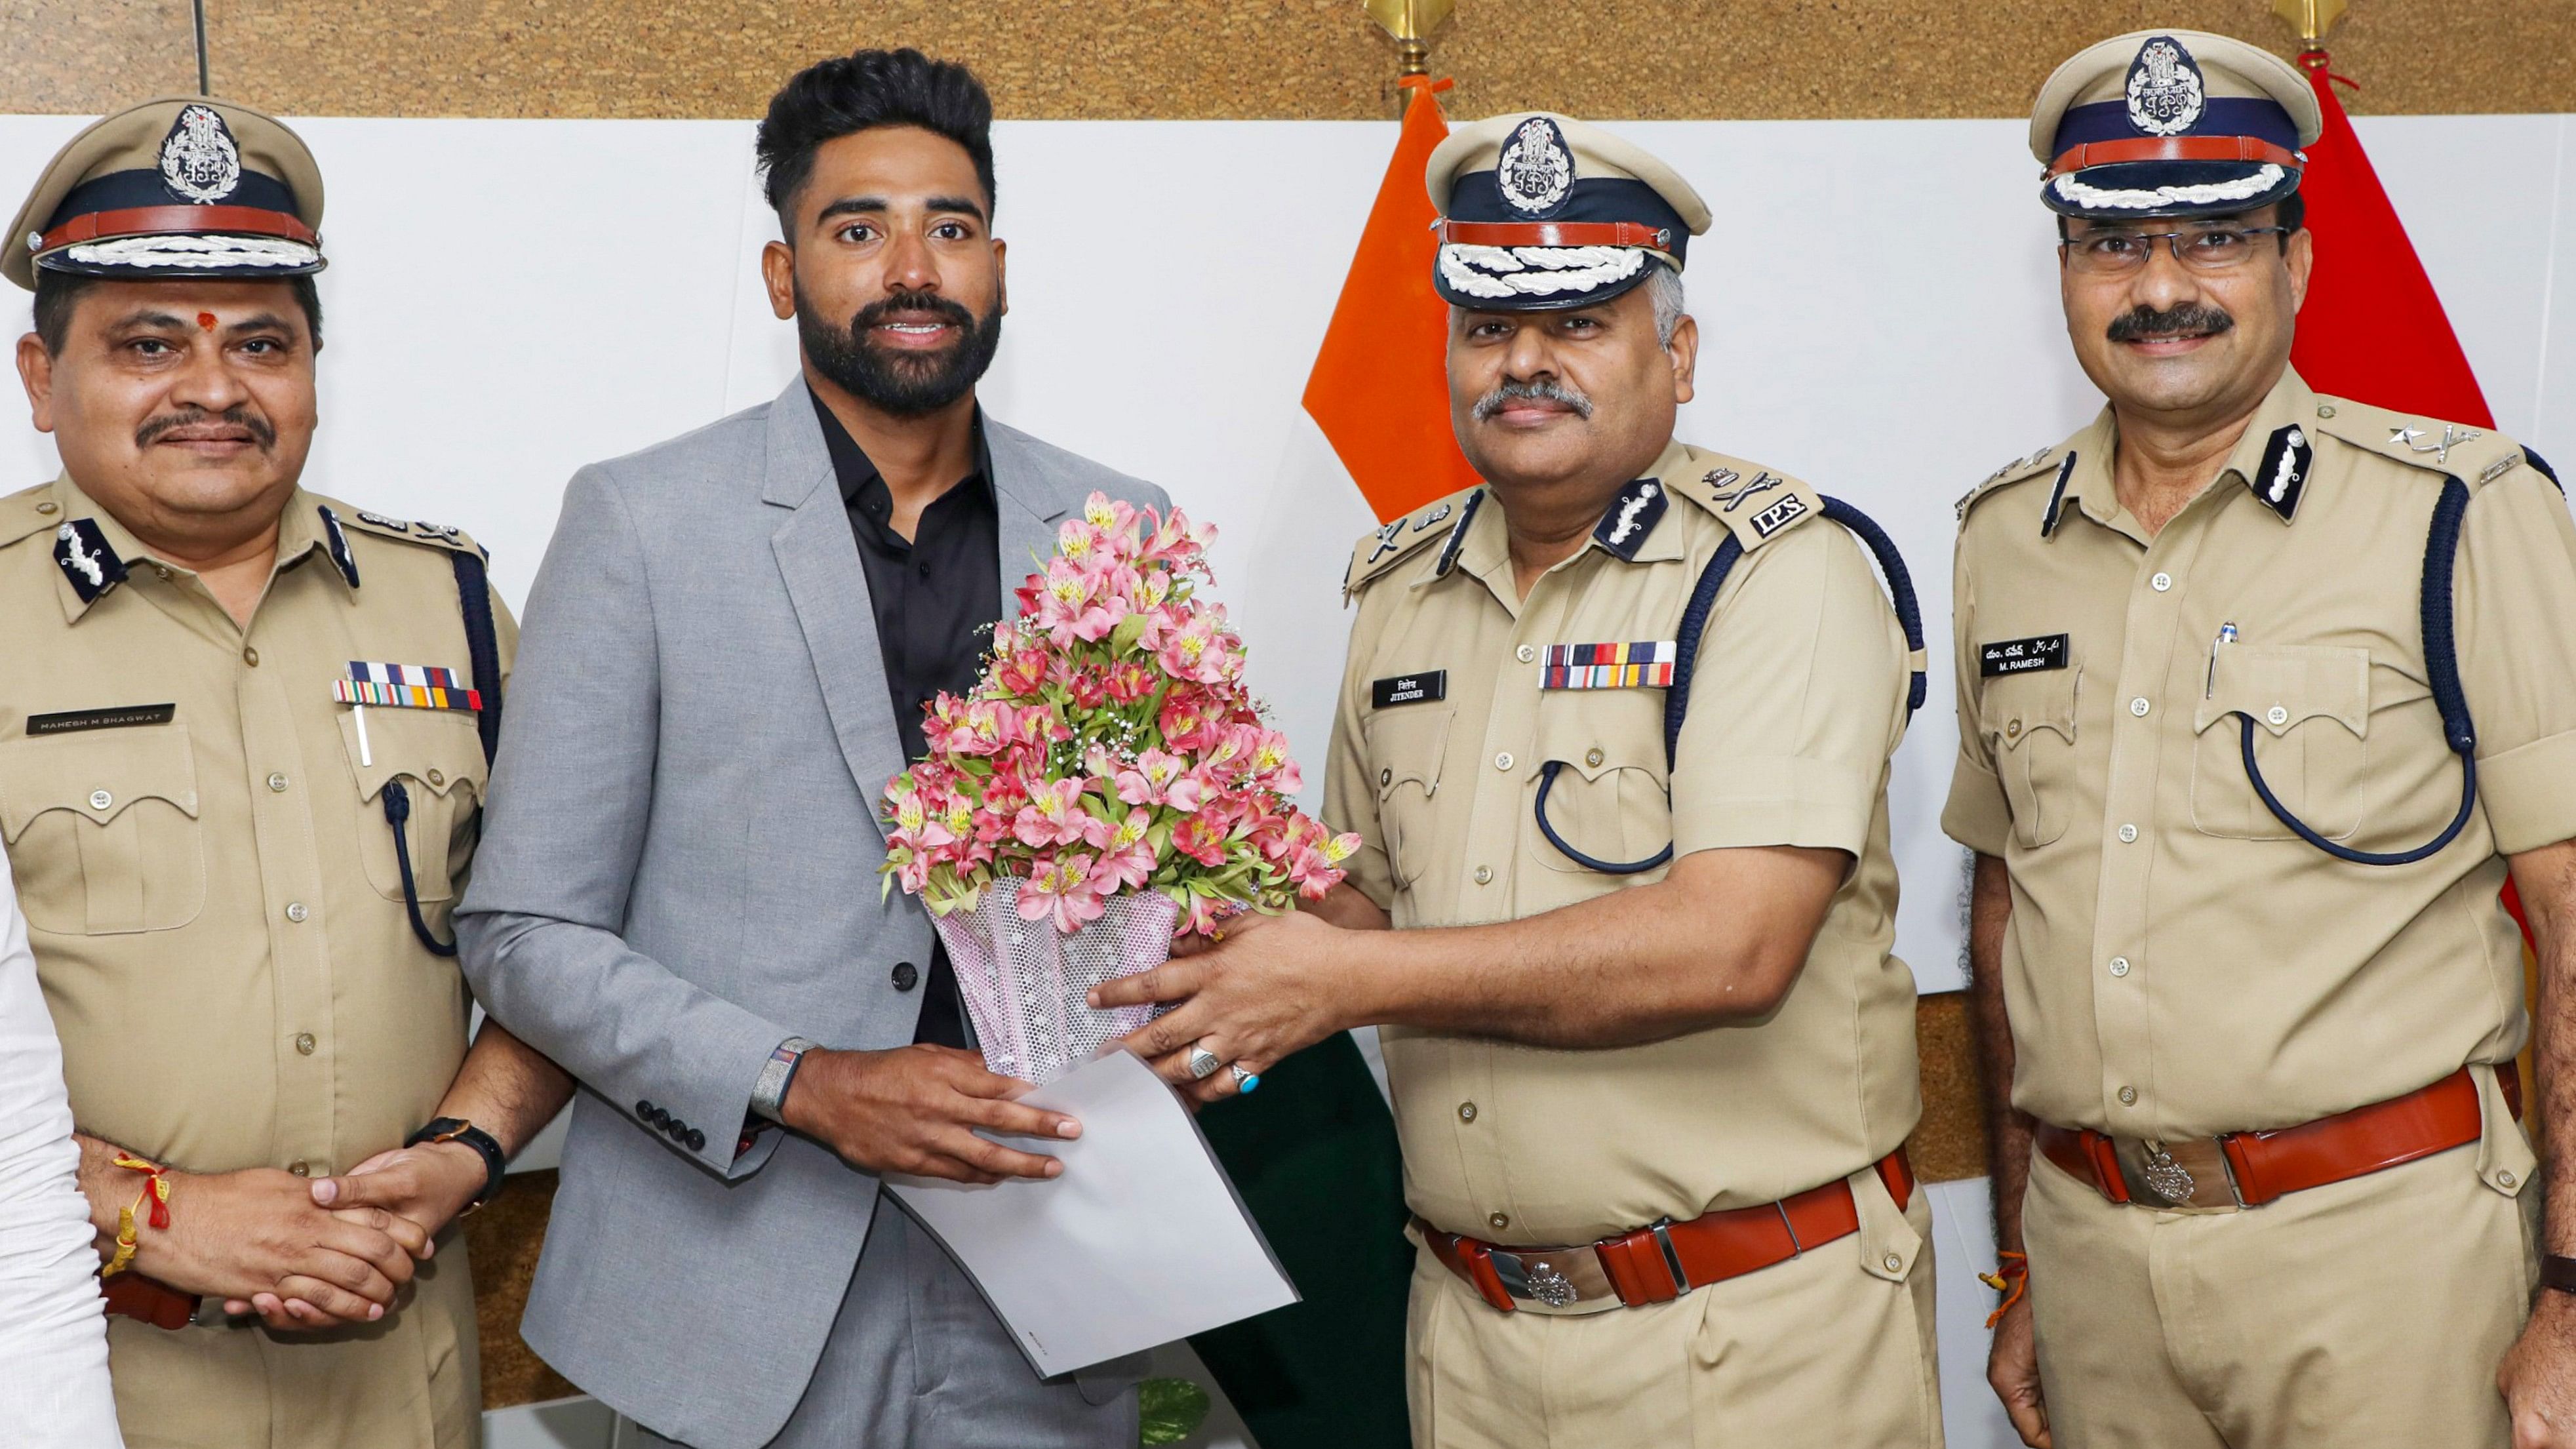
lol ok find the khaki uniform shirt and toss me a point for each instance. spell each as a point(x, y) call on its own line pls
point(217, 912)
point(1799, 699)
point(2178, 963)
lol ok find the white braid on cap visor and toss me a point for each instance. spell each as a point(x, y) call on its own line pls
point(1663, 284)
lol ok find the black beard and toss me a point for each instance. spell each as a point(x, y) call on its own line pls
point(906, 385)
point(2187, 319)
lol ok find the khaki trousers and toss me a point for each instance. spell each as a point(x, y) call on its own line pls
point(2371, 1312)
point(410, 1380)
point(1832, 1350)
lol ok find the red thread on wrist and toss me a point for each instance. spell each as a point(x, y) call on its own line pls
point(2010, 1278)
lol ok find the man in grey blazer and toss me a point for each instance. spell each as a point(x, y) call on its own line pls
point(677, 898)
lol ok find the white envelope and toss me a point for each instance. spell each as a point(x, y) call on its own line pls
point(1139, 1241)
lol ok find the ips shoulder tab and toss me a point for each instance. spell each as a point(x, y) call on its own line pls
point(2043, 463)
point(2475, 456)
point(28, 513)
point(1756, 504)
point(357, 520)
point(1381, 549)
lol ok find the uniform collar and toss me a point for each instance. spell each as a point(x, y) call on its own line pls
point(2272, 460)
point(99, 540)
point(1483, 543)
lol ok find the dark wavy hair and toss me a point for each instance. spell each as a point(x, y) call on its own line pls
point(859, 92)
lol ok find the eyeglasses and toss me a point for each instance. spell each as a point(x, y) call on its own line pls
point(2111, 253)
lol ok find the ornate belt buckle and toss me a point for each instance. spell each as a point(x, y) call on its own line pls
point(2185, 1174)
point(1552, 1277)
point(2169, 1179)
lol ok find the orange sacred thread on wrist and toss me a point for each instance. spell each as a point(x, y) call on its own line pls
point(156, 1191)
point(2010, 1278)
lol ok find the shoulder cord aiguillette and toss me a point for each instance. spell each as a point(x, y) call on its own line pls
point(1909, 614)
point(483, 653)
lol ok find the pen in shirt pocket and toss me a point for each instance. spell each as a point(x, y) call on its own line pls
point(2226, 636)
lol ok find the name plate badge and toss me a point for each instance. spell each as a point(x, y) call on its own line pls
point(121, 717)
point(2021, 656)
point(1409, 689)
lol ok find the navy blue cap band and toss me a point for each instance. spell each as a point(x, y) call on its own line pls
point(1478, 196)
point(123, 190)
point(2261, 117)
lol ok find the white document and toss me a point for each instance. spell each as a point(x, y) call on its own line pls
point(1139, 1241)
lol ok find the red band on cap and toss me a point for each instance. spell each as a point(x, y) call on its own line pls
point(1555, 234)
point(179, 221)
point(2171, 148)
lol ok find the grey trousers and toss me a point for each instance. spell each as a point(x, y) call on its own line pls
point(918, 1361)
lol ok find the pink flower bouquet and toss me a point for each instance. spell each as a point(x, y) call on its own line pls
point(1106, 786)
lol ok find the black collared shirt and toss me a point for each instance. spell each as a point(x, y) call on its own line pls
point(936, 597)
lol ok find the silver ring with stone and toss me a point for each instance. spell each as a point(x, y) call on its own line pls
point(1244, 1081)
point(1203, 1063)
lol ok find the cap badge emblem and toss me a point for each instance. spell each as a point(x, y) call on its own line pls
point(199, 158)
point(1536, 171)
point(2165, 91)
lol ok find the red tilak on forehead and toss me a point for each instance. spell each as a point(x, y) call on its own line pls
point(206, 320)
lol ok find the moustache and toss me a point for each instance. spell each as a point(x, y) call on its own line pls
point(916, 303)
point(1543, 390)
point(238, 415)
point(2186, 319)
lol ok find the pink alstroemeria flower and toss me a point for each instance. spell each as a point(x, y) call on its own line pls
point(1062, 887)
point(1160, 777)
point(1126, 859)
point(1053, 815)
point(1201, 837)
point(1070, 607)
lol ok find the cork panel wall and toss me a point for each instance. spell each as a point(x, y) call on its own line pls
point(1234, 58)
point(503, 1240)
point(81, 56)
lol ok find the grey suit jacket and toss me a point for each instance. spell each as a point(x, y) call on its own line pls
point(679, 870)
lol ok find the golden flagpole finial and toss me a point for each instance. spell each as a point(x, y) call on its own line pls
point(1411, 22)
point(2313, 18)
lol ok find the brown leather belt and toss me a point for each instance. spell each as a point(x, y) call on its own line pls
point(2249, 1169)
point(1660, 1263)
point(154, 1302)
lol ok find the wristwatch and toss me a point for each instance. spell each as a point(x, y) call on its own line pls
point(457, 1129)
point(2557, 1272)
point(769, 1093)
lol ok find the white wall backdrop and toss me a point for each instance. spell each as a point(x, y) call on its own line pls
point(511, 299)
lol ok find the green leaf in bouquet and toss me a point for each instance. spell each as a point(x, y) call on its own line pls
point(1122, 640)
point(1169, 1410)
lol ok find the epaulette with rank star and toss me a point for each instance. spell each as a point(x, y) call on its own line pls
point(1757, 504)
point(2475, 456)
point(1383, 548)
point(2054, 458)
point(435, 535)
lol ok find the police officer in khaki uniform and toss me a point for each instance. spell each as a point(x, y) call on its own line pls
point(2263, 695)
point(1615, 733)
point(243, 735)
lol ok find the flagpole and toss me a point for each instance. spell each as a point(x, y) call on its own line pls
point(1412, 23)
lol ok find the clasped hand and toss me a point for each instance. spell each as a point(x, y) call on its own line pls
point(1267, 989)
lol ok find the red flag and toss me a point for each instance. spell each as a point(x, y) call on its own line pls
point(2372, 328)
point(1380, 388)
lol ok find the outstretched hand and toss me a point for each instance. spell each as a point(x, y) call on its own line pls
point(1269, 988)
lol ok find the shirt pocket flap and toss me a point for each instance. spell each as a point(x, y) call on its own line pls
point(2282, 686)
point(436, 749)
point(1406, 743)
point(1595, 737)
point(2018, 706)
point(96, 775)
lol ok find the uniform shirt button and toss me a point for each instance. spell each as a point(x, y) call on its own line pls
point(2504, 1179)
point(2128, 1096)
point(2161, 582)
point(1525, 654)
point(2325, 410)
point(1503, 761)
point(1893, 1262)
point(161, 573)
point(437, 777)
point(295, 912)
point(2119, 965)
point(2139, 706)
point(300, 1168)
point(1592, 758)
point(2275, 714)
point(304, 1043)
point(1484, 875)
point(277, 779)
point(1385, 778)
point(1499, 1221)
point(2012, 729)
point(100, 799)
point(906, 976)
point(250, 656)
point(45, 507)
point(1466, 1111)
point(2128, 834)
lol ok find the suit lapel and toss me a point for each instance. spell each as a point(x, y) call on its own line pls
point(819, 559)
point(1029, 502)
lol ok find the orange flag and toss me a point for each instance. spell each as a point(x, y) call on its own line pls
point(1380, 389)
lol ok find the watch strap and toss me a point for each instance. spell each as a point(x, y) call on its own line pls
point(2557, 1272)
point(769, 1093)
point(456, 1129)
